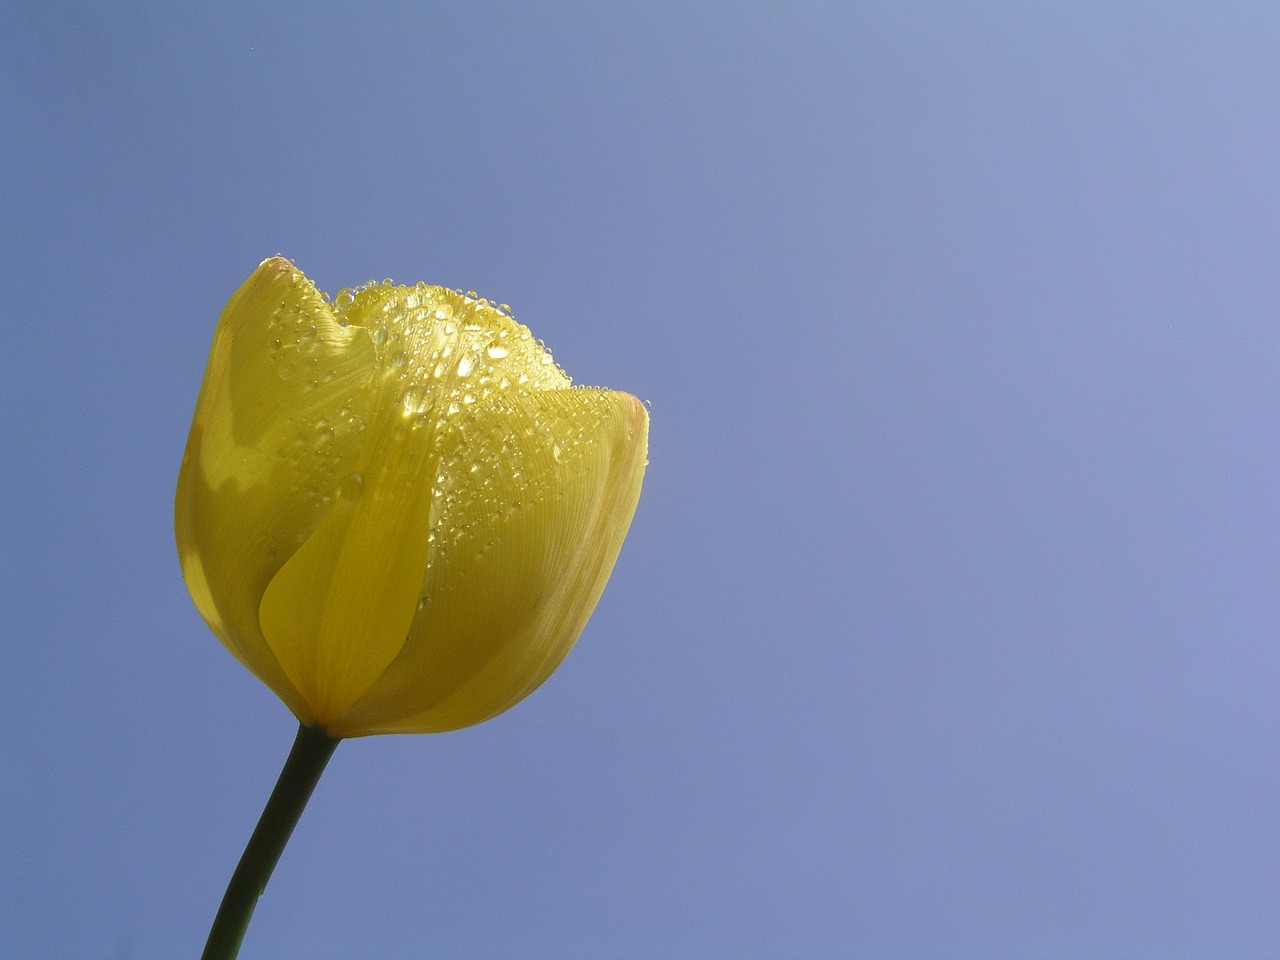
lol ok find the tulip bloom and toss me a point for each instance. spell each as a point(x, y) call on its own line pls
point(394, 508)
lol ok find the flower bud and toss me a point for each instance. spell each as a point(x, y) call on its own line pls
point(394, 508)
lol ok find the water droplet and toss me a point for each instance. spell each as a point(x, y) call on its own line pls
point(556, 453)
point(273, 346)
point(465, 366)
point(379, 336)
point(496, 351)
point(352, 485)
point(416, 401)
point(286, 369)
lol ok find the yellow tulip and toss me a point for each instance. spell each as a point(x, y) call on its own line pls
point(393, 507)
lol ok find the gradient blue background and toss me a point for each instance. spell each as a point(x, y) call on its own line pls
point(947, 627)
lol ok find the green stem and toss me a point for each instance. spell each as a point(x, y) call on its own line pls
point(311, 751)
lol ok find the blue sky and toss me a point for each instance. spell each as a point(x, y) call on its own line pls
point(947, 624)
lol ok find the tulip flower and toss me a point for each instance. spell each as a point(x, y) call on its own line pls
point(395, 510)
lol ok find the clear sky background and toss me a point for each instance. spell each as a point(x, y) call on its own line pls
point(947, 627)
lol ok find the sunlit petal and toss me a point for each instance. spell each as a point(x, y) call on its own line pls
point(282, 407)
point(532, 520)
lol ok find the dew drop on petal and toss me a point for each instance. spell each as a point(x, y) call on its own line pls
point(416, 400)
point(352, 485)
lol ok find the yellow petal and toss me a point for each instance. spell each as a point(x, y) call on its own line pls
point(339, 611)
point(448, 345)
point(534, 497)
point(280, 415)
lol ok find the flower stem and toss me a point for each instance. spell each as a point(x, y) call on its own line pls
point(311, 751)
